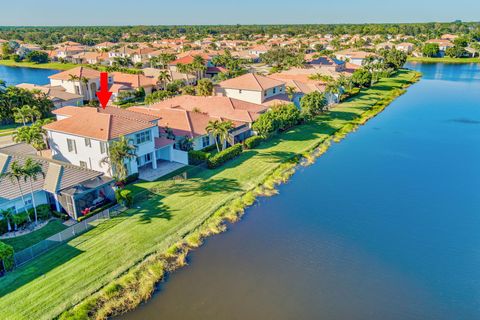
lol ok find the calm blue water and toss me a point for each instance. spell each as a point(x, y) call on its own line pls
point(14, 75)
point(386, 225)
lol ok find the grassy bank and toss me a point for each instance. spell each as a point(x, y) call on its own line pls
point(443, 60)
point(128, 254)
point(48, 65)
point(8, 129)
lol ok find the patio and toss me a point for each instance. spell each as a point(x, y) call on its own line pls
point(147, 173)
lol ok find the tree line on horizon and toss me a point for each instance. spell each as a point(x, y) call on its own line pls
point(90, 35)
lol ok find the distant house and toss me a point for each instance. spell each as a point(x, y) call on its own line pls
point(189, 116)
point(355, 57)
point(80, 81)
point(58, 95)
point(328, 64)
point(65, 187)
point(442, 44)
point(254, 88)
point(405, 47)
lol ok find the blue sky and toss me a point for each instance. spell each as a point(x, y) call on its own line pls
point(158, 12)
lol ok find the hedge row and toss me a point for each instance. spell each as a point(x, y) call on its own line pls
point(223, 156)
point(196, 157)
point(253, 142)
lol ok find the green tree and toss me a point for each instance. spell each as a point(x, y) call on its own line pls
point(34, 135)
point(431, 50)
point(16, 174)
point(362, 78)
point(6, 215)
point(32, 170)
point(164, 77)
point(26, 114)
point(204, 87)
point(313, 104)
point(213, 128)
point(119, 152)
point(456, 52)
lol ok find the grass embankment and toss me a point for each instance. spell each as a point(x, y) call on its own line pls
point(127, 255)
point(444, 60)
point(8, 129)
point(48, 65)
point(28, 240)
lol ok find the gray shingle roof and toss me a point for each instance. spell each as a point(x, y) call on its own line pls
point(69, 175)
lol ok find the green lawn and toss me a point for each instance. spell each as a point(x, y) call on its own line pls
point(28, 240)
point(8, 129)
point(443, 60)
point(66, 275)
point(48, 65)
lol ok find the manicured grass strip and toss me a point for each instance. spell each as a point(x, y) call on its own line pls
point(28, 240)
point(169, 211)
point(444, 60)
point(8, 129)
point(48, 65)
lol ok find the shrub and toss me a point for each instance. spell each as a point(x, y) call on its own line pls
point(281, 117)
point(211, 148)
point(60, 215)
point(6, 256)
point(43, 212)
point(20, 218)
point(124, 197)
point(196, 157)
point(224, 156)
point(253, 142)
point(131, 179)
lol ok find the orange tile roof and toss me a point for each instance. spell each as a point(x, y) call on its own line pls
point(251, 81)
point(133, 80)
point(81, 72)
point(100, 124)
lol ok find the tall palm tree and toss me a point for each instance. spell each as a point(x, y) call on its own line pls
point(32, 170)
point(213, 129)
point(120, 151)
point(198, 65)
point(163, 78)
point(26, 114)
point(15, 175)
point(34, 135)
point(185, 69)
point(224, 131)
point(7, 216)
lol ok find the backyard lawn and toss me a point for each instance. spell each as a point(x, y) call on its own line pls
point(444, 60)
point(169, 210)
point(28, 240)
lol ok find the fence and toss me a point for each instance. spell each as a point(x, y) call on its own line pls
point(34, 251)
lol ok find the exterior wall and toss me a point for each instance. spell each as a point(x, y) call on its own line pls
point(40, 198)
point(165, 153)
point(179, 156)
point(92, 156)
point(244, 95)
point(77, 87)
point(273, 92)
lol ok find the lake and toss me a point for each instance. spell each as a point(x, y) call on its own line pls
point(385, 225)
point(15, 75)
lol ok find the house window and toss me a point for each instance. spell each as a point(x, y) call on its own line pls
point(148, 158)
point(205, 141)
point(28, 202)
point(72, 147)
point(83, 164)
point(240, 91)
point(103, 147)
point(281, 89)
point(88, 142)
point(143, 137)
point(274, 90)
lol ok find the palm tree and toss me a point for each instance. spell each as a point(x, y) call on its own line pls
point(290, 92)
point(224, 130)
point(32, 170)
point(120, 151)
point(198, 65)
point(34, 135)
point(7, 216)
point(26, 114)
point(213, 129)
point(163, 78)
point(185, 69)
point(15, 175)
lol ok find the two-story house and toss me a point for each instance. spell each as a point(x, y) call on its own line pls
point(254, 88)
point(83, 135)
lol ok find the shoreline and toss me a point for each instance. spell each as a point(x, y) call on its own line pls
point(446, 60)
point(49, 65)
point(142, 280)
point(155, 238)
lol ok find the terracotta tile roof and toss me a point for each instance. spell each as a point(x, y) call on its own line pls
point(251, 81)
point(81, 72)
point(188, 59)
point(133, 80)
point(189, 115)
point(162, 142)
point(100, 124)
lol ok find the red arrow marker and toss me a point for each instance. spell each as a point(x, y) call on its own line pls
point(104, 95)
